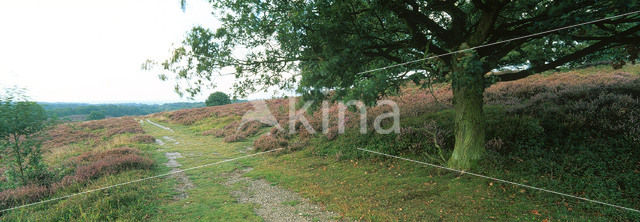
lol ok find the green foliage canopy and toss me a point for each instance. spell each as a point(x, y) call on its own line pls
point(330, 43)
point(95, 115)
point(217, 98)
point(340, 46)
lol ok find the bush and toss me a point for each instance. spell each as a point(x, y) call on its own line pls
point(214, 132)
point(514, 132)
point(23, 195)
point(95, 115)
point(268, 142)
point(580, 139)
point(111, 165)
point(587, 113)
point(236, 132)
point(217, 98)
point(143, 139)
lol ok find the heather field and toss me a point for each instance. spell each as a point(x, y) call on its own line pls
point(575, 132)
point(84, 156)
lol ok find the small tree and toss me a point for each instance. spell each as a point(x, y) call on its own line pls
point(95, 115)
point(217, 98)
point(21, 123)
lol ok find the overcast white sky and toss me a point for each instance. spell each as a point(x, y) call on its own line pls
point(92, 51)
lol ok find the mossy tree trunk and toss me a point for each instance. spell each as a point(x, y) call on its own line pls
point(468, 86)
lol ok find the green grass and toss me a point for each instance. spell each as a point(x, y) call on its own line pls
point(131, 202)
point(212, 123)
point(378, 190)
point(209, 200)
point(291, 203)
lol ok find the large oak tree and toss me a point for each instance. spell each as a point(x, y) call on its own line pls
point(332, 45)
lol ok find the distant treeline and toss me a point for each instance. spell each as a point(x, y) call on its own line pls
point(61, 110)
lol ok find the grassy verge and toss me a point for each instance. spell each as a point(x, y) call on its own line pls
point(387, 190)
point(209, 199)
point(131, 202)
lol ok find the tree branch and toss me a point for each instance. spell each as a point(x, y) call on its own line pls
point(567, 58)
point(416, 19)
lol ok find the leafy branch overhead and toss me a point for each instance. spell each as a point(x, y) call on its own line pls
point(334, 45)
point(263, 43)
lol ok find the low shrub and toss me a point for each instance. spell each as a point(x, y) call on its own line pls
point(332, 133)
point(89, 166)
point(233, 138)
point(236, 131)
point(112, 164)
point(268, 142)
point(214, 132)
point(23, 195)
point(143, 139)
point(513, 132)
point(3, 179)
point(90, 131)
point(64, 134)
point(89, 157)
point(191, 116)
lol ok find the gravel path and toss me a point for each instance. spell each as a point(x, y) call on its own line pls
point(160, 126)
point(184, 183)
point(168, 138)
point(275, 203)
point(160, 142)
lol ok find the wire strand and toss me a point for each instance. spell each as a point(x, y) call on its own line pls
point(501, 180)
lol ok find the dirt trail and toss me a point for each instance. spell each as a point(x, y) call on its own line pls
point(160, 126)
point(275, 203)
point(184, 183)
point(160, 142)
point(168, 138)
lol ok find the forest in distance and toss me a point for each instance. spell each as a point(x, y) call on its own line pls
point(81, 111)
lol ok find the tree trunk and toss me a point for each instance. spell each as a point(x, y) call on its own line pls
point(468, 86)
point(16, 149)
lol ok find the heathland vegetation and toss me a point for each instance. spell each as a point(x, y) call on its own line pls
point(490, 87)
point(574, 132)
point(77, 156)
